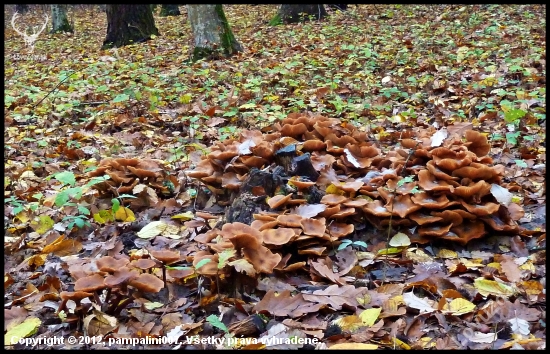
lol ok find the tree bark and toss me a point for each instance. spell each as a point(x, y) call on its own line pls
point(292, 13)
point(127, 24)
point(341, 7)
point(211, 31)
point(169, 10)
point(60, 23)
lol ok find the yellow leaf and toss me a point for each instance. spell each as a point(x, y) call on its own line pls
point(332, 189)
point(447, 254)
point(103, 216)
point(349, 323)
point(400, 240)
point(43, 224)
point(63, 247)
point(351, 346)
point(22, 330)
point(369, 316)
point(401, 344)
point(153, 305)
point(125, 214)
point(188, 215)
point(37, 260)
point(461, 306)
point(391, 250)
point(23, 216)
point(490, 287)
point(427, 342)
point(152, 229)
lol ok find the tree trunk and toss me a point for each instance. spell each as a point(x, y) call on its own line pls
point(169, 10)
point(213, 36)
point(60, 23)
point(127, 24)
point(341, 7)
point(292, 13)
point(21, 8)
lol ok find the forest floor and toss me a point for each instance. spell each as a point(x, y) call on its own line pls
point(116, 183)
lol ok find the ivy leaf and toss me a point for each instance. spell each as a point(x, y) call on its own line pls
point(215, 321)
point(121, 98)
point(66, 177)
point(513, 115)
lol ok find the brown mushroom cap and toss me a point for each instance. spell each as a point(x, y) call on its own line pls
point(293, 130)
point(376, 208)
point(144, 263)
point(351, 186)
point(314, 145)
point(278, 201)
point(262, 258)
point(402, 205)
point(301, 185)
point(501, 221)
point(422, 218)
point(279, 236)
point(356, 203)
point(246, 241)
point(110, 264)
point(428, 182)
point(339, 230)
point(434, 230)
point(342, 213)
point(333, 199)
point(481, 209)
point(148, 283)
point(477, 171)
point(425, 200)
point(166, 256)
point(231, 181)
point(468, 230)
point(236, 228)
point(262, 225)
point(290, 220)
point(90, 283)
point(76, 296)
point(477, 143)
point(120, 277)
point(438, 173)
point(449, 216)
point(473, 190)
point(313, 227)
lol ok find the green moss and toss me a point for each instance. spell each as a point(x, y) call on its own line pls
point(202, 53)
point(228, 45)
point(228, 41)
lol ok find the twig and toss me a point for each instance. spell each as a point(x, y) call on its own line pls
point(52, 90)
point(394, 192)
point(92, 103)
point(408, 158)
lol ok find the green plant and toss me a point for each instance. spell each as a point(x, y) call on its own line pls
point(354, 244)
point(17, 205)
point(76, 220)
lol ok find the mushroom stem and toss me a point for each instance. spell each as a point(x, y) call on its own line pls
point(62, 306)
point(105, 305)
point(97, 298)
point(122, 305)
point(164, 275)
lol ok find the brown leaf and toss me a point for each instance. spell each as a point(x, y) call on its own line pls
point(284, 304)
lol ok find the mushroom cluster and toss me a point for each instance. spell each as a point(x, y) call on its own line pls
point(431, 191)
point(119, 276)
point(125, 174)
